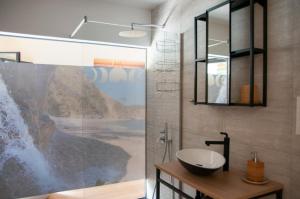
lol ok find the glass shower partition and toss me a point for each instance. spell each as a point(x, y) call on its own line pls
point(120, 123)
point(67, 127)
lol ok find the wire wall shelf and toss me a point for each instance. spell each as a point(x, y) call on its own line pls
point(167, 46)
point(167, 86)
point(167, 64)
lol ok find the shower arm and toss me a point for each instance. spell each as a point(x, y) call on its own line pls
point(85, 21)
point(82, 22)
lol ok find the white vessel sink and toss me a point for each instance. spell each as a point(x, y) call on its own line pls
point(200, 161)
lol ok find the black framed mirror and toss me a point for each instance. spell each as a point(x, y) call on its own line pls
point(230, 61)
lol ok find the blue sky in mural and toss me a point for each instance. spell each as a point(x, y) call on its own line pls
point(126, 86)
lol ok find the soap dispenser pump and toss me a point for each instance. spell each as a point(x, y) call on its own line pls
point(254, 157)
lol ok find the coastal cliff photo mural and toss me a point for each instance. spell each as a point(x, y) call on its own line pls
point(69, 127)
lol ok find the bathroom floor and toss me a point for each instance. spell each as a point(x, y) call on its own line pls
point(124, 190)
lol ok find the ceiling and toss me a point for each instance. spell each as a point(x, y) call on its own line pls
point(145, 4)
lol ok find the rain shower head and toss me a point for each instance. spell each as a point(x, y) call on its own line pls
point(133, 33)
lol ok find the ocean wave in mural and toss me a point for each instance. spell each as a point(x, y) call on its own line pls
point(17, 144)
point(64, 127)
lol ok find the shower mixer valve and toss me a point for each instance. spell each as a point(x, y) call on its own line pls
point(164, 135)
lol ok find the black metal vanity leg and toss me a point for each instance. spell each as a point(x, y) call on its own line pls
point(279, 194)
point(157, 184)
point(198, 195)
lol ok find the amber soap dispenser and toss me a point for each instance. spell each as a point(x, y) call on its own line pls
point(255, 169)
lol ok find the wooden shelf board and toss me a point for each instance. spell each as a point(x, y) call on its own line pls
point(220, 185)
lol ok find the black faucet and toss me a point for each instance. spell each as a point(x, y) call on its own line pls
point(226, 144)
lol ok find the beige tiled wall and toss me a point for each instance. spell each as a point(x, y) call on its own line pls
point(268, 130)
point(163, 92)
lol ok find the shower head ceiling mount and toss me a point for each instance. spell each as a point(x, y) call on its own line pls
point(132, 33)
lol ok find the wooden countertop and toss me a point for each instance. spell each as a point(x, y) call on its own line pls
point(220, 185)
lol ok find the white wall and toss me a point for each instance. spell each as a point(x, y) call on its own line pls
point(60, 17)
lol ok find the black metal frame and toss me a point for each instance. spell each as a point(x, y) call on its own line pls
point(235, 5)
point(17, 54)
point(199, 195)
point(230, 50)
point(202, 17)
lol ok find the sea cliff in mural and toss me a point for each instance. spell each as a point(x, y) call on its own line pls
point(64, 127)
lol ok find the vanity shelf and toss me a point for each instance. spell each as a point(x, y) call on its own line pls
point(231, 67)
point(221, 185)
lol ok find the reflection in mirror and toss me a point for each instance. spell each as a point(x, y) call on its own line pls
point(218, 55)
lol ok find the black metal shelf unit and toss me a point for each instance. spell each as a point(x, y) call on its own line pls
point(251, 52)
